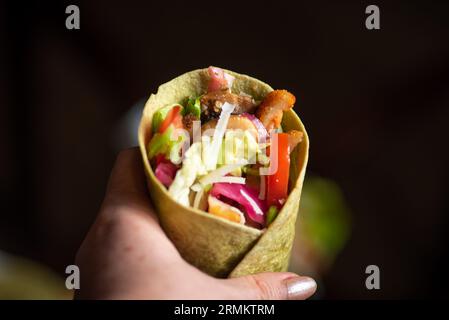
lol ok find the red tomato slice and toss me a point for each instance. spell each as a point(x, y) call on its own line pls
point(173, 117)
point(159, 158)
point(177, 121)
point(277, 183)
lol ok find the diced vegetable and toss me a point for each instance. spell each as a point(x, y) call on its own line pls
point(224, 210)
point(159, 144)
point(173, 117)
point(163, 144)
point(277, 183)
point(261, 130)
point(165, 172)
point(272, 214)
point(193, 107)
point(219, 80)
point(245, 196)
point(160, 115)
point(158, 159)
point(174, 153)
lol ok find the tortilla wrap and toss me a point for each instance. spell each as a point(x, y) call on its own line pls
point(214, 245)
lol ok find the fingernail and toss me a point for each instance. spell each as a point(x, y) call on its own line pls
point(300, 287)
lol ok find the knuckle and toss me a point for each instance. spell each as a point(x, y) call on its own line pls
point(125, 153)
point(113, 224)
point(264, 290)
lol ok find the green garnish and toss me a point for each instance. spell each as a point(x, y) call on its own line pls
point(160, 115)
point(161, 143)
point(193, 107)
point(271, 214)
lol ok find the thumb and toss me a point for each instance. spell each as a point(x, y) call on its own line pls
point(272, 286)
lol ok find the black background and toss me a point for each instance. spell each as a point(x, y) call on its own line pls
point(375, 103)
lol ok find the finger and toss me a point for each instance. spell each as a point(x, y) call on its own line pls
point(127, 186)
point(127, 176)
point(272, 286)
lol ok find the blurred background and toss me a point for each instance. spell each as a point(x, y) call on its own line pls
point(375, 104)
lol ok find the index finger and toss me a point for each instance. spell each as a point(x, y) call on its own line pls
point(127, 180)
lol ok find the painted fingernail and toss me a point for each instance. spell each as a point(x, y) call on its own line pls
point(300, 288)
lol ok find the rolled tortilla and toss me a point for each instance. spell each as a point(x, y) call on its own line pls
point(214, 245)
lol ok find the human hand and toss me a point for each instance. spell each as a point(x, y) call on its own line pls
point(126, 254)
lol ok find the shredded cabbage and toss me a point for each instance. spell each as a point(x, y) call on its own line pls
point(185, 177)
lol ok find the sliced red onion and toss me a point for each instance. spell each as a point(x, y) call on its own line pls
point(229, 79)
point(261, 130)
point(165, 172)
point(245, 196)
point(219, 80)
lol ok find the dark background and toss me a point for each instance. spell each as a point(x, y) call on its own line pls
point(375, 103)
